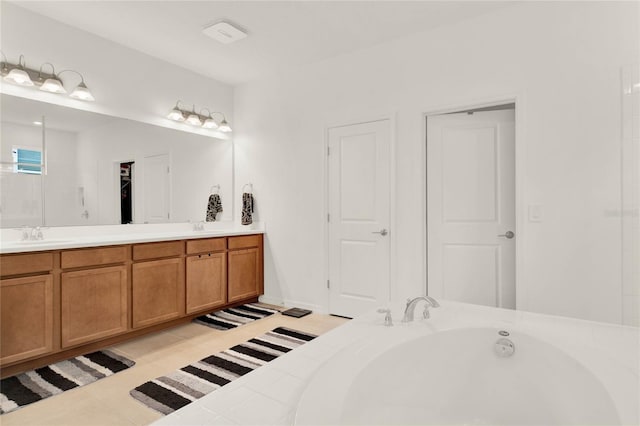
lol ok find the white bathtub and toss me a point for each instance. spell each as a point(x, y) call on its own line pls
point(444, 371)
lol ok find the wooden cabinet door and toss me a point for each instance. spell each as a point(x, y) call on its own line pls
point(158, 291)
point(26, 317)
point(93, 304)
point(244, 274)
point(206, 281)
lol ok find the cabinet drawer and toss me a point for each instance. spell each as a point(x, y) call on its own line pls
point(245, 241)
point(157, 250)
point(206, 245)
point(93, 257)
point(14, 264)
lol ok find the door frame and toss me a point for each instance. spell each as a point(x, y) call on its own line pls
point(391, 116)
point(520, 173)
point(117, 192)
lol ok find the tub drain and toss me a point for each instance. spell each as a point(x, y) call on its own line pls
point(504, 348)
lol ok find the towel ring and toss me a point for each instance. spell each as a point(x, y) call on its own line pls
point(217, 189)
point(250, 185)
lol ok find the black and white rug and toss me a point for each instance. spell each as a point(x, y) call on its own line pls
point(175, 390)
point(35, 385)
point(226, 319)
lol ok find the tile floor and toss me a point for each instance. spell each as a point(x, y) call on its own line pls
point(107, 401)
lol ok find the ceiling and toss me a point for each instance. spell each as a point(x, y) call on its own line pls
point(282, 34)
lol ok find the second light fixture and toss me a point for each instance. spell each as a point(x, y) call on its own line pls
point(204, 118)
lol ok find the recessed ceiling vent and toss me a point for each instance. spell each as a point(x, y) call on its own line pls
point(224, 32)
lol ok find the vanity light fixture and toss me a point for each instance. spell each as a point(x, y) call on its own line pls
point(204, 118)
point(47, 82)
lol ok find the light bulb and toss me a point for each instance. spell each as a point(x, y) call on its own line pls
point(53, 85)
point(82, 92)
point(224, 126)
point(176, 115)
point(210, 123)
point(194, 120)
point(18, 76)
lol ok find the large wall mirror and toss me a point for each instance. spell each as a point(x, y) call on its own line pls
point(64, 167)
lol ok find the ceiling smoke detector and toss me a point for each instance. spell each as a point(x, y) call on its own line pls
point(224, 32)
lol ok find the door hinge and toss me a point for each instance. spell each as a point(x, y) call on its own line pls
point(328, 151)
point(328, 284)
point(328, 217)
point(168, 170)
point(168, 217)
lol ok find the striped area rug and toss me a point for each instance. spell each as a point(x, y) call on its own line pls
point(173, 391)
point(35, 385)
point(226, 319)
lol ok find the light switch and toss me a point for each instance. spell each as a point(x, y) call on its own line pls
point(535, 213)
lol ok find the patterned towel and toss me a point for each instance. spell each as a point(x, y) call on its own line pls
point(213, 207)
point(247, 208)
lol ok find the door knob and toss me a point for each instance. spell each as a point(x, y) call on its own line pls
point(508, 235)
point(382, 232)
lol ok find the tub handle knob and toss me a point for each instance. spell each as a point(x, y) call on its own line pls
point(388, 321)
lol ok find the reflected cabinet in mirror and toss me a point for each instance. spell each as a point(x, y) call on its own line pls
point(65, 167)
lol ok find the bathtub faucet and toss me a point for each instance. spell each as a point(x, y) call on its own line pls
point(411, 307)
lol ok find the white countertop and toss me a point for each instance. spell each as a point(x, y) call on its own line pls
point(69, 237)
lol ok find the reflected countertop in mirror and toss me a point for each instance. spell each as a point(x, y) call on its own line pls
point(71, 237)
point(100, 170)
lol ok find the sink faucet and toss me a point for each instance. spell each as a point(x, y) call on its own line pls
point(30, 233)
point(198, 226)
point(411, 307)
point(36, 234)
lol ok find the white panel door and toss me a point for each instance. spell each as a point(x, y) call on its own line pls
point(471, 207)
point(359, 217)
point(157, 189)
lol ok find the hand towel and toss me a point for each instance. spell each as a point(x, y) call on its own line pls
point(247, 208)
point(213, 207)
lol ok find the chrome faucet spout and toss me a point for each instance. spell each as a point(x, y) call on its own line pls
point(411, 307)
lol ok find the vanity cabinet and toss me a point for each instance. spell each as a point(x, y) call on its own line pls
point(206, 278)
point(157, 285)
point(62, 303)
point(26, 306)
point(93, 294)
point(245, 267)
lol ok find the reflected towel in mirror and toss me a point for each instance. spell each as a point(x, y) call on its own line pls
point(213, 207)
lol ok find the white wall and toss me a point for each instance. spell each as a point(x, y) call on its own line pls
point(197, 163)
point(562, 60)
point(125, 82)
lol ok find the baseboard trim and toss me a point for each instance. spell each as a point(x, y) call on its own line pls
point(289, 303)
point(276, 301)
